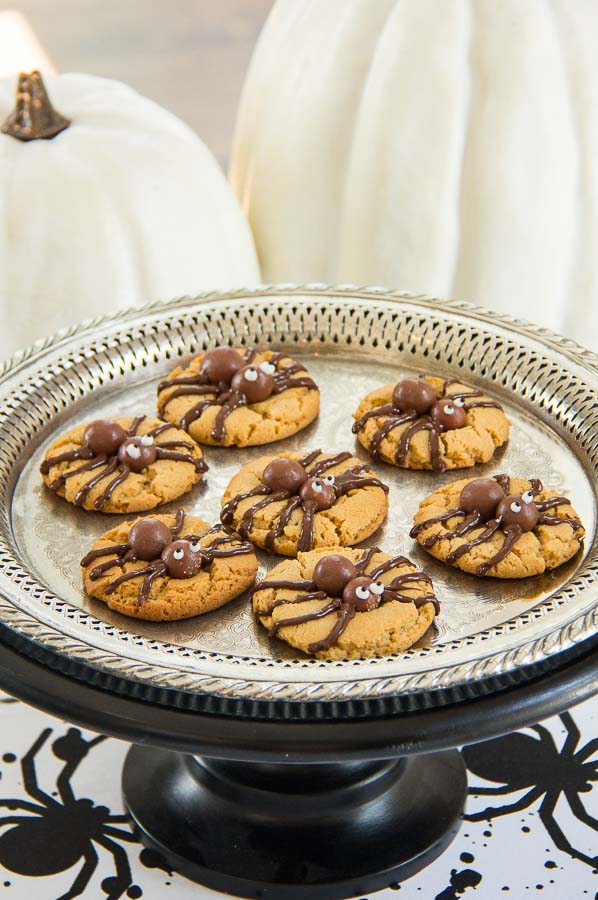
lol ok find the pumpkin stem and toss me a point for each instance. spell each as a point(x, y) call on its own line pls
point(33, 117)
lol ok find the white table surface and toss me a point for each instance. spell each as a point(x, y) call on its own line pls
point(512, 856)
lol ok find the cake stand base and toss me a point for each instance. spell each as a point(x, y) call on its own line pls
point(295, 831)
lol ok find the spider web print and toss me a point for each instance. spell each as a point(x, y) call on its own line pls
point(530, 827)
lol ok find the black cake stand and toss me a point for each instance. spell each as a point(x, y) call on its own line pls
point(321, 802)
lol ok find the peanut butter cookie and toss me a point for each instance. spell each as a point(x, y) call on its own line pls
point(293, 503)
point(429, 423)
point(168, 567)
point(123, 465)
point(239, 398)
point(504, 527)
point(335, 603)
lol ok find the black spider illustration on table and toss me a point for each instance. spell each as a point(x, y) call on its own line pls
point(47, 836)
point(522, 762)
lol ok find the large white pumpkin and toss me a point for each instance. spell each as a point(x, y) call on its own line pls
point(449, 147)
point(124, 206)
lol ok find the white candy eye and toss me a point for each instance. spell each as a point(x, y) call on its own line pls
point(267, 368)
point(329, 479)
point(178, 553)
point(527, 497)
point(133, 451)
point(317, 486)
point(516, 506)
point(362, 592)
point(250, 375)
point(449, 409)
point(147, 440)
point(195, 546)
point(459, 401)
point(377, 588)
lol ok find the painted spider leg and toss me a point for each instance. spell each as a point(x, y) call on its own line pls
point(24, 805)
point(84, 877)
point(63, 781)
point(580, 811)
point(14, 820)
point(546, 813)
point(120, 833)
point(490, 791)
point(29, 774)
point(573, 735)
point(123, 877)
point(492, 812)
point(587, 751)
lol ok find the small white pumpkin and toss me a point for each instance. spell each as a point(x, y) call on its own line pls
point(124, 205)
point(443, 147)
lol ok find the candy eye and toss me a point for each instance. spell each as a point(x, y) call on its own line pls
point(329, 479)
point(362, 592)
point(317, 485)
point(516, 506)
point(178, 553)
point(133, 451)
point(195, 546)
point(147, 440)
point(267, 368)
point(459, 401)
point(449, 409)
point(377, 588)
point(250, 375)
point(527, 497)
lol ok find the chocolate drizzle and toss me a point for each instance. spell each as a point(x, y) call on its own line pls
point(224, 395)
point(121, 554)
point(395, 417)
point(346, 606)
point(471, 521)
point(349, 480)
point(113, 464)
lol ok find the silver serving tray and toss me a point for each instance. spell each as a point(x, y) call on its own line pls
point(352, 340)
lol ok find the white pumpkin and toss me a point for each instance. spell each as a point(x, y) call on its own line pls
point(123, 206)
point(443, 147)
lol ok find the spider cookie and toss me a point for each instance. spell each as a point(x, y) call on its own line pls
point(122, 465)
point(429, 423)
point(294, 503)
point(500, 526)
point(239, 398)
point(335, 603)
point(168, 567)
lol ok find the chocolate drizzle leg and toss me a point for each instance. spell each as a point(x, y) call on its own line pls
point(416, 405)
point(105, 448)
point(304, 496)
point(152, 541)
point(220, 384)
point(351, 595)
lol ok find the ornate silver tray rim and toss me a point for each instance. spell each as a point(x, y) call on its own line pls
point(20, 377)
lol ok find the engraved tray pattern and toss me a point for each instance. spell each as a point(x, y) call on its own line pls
point(351, 339)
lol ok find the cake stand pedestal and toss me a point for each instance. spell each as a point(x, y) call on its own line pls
point(268, 808)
